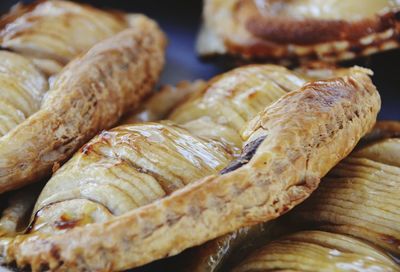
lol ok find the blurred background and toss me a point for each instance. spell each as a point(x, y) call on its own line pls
point(180, 19)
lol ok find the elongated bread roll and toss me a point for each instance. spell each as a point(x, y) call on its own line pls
point(91, 93)
point(287, 148)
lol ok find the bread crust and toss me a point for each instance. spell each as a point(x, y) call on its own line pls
point(90, 94)
point(244, 30)
point(307, 132)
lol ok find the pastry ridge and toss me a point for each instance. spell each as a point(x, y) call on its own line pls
point(318, 126)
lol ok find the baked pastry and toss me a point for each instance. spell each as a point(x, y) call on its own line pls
point(161, 103)
point(90, 94)
point(52, 33)
point(296, 31)
point(311, 250)
point(22, 89)
point(226, 251)
point(255, 164)
point(368, 182)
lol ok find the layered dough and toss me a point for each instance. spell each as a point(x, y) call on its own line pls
point(41, 123)
point(298, 31)
point(317, 250)
point(133, 165)
point(338, 201)
point(22, 87)
point(356, 199)
point(359, 196)
point(52, 33)
point(272, 158)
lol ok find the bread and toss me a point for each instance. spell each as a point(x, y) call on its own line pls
point(90, 94)
point(281, 154)
point(293, 32)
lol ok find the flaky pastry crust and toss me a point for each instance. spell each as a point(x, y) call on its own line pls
point(90, 94)
point(303, 135)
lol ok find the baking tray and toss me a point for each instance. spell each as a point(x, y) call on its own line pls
point(180, 19)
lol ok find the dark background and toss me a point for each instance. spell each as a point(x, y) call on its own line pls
point(180, 20)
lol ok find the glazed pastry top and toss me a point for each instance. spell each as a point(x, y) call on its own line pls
point(52, 33)
point(132, 165)
point(22, 87)
point(286, 150)
point(298, 31)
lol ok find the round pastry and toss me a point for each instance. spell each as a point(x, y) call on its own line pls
point(299, 30)
point(123, 199)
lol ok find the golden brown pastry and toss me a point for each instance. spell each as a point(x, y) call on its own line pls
point(22, 87)
point(224, 252)
point(90, 94)
point(161, 103)
point(298, 30)
point(285, 150)
point(359, 196)
point(52, 33)
point(133, 165)
point(317, 251)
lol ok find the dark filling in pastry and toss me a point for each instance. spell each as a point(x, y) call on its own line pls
point(248, 152)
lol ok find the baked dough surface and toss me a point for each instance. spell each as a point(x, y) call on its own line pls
point(304, 134)
point(90, 94)
point(292, 32)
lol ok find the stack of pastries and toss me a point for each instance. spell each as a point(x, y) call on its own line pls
point(100, 173)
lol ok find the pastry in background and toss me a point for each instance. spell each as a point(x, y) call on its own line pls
point(162, 102)
point(52, 33)
point(298, 31)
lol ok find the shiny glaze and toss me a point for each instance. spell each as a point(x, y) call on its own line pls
point(308, 250)
point(133, 165)
point(126, 168)
point(234, 99)
point(22, 88)
point(359, 197)
point(51, 33)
